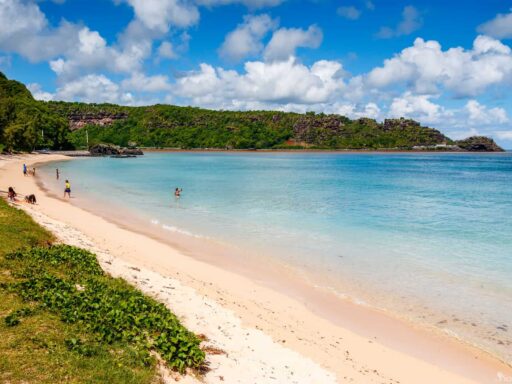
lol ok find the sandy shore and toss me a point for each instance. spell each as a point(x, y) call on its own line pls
point(267, 335)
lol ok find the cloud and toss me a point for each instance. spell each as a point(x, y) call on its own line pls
point(142, 83)
point(349, 12)
point(25, 30)
point(504, 135)
point(369, 5)
point(71, 49)
point(252, 4)
point(274, 83)
point(480, 114)
point(411, 22)
point(166, 51)
point(245, 40)
point(285, 41)
point(38, 92)
point(425, 68)
point(91, 54)
point(93, 89)
point(416, 106)
point(500, 27)
point(159, 15)
point(355, 111)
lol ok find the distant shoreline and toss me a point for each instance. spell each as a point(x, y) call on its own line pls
point(341, 151)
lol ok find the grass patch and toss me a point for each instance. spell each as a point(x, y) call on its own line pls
point(63, 320)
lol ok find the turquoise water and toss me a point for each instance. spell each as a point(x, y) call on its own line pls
point(428, 235)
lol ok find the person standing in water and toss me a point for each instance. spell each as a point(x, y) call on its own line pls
point(177, 192)
point(57, 173)
point(67, 190)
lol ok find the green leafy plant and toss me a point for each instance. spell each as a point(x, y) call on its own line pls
point(69, 281)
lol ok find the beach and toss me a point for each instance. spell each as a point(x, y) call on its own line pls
point(266, 335)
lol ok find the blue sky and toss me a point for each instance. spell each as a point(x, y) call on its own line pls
point(447, 64)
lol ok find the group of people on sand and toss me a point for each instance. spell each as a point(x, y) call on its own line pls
point(31, 199)
point(27, 172)
point(11, 195)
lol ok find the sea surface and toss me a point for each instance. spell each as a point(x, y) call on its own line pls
point(428, 236)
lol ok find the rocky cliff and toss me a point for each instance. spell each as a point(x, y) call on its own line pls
point(479, 144)
point(80, 120)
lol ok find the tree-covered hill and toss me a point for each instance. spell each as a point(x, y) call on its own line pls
point(26, 124)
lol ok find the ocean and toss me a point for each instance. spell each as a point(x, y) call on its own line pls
point(423, 235)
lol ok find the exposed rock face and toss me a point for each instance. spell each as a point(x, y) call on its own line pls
point(113, 150)
point(131, 151)
point(335, 131)
point(479, 144)
point(77, 121)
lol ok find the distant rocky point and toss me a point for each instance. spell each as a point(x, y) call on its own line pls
point(479, 144)
point(113, 150)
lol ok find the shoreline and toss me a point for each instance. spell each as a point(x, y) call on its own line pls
point(367, 319)
point(439, 354)
point(329, 151)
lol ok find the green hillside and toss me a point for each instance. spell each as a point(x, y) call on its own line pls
point(27, 124)
point(187, 127)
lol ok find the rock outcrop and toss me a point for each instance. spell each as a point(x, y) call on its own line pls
point(479, 144)
point(80, 120)
point(113, 150)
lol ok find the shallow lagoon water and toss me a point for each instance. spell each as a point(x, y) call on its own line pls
point(426, 235)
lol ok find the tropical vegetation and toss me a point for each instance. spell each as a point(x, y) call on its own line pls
point(62, 319)
point(26, 124)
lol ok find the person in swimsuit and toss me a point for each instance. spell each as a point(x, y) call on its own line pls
point(67, 190)
point(177, 192)
point(11, 194)
point(31, 199)
point(57, 173)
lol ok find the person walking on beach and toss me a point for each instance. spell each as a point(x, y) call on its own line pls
point(24, 169)
point(57, 173)
point(33, 171)
point(67, 189)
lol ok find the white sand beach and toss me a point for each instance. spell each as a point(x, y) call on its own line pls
point(265, 335)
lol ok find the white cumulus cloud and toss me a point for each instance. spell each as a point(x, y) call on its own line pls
point(285, 41)
point(245, 40)
point(425, 68)
point(138, 82)
point(159, 15)
point(481, 114)
point(25, 30)
point(499, 27)
point(274, 83)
